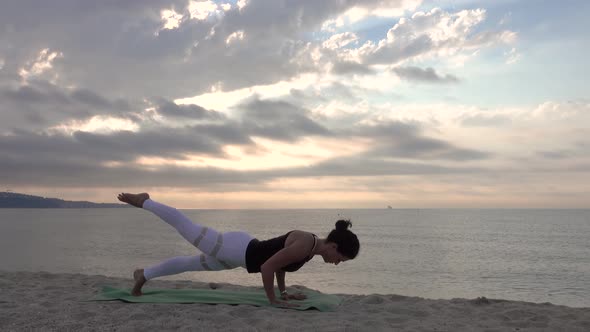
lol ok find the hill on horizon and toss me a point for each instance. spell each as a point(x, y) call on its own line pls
point(24, 201)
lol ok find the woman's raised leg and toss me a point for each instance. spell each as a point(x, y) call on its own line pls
point(206, 239)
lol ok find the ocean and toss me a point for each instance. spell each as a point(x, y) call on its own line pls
point(526, 255)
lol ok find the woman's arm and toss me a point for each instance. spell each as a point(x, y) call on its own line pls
point(293, 253)
point(281, 281)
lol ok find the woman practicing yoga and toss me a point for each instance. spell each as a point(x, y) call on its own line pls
point(223, 251)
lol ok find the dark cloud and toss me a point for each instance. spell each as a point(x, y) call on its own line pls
point(164, 143)
point(125, 146)
point(88, 97)
point(278, 120)
point(348, 67)
point(86, 159)
point(24, 150)
point(41, 104)
point(171, 109)
point(65, 173)
point(404, 140)
point(37, 92)
point(367, 166)
point(427, 148)
point(271, 119)
point(428, 75)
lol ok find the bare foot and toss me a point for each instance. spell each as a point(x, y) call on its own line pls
point(139, 281)
point(133, 199)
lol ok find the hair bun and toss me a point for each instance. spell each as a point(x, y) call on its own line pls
point(342, 225)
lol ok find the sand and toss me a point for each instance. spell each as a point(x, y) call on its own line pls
point(45, 301)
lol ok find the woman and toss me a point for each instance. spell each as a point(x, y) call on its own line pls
point(222, 251)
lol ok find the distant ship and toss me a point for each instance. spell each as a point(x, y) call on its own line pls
point(389, 207)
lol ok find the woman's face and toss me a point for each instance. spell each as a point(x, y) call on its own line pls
point(332, 255)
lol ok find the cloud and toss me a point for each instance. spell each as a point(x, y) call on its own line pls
point(366, 9)
point(41, 104)
point(42, 64)
point(278, 120)
point(578, 150)
point(404, 140)
point(393, 149)
point(363, 167)
point(512, 56)
point(84, 168)
point(482, 120)
point(340, 40)
point(431, 33)
point(93, 159)
point(191, 111)
point(428, 148)
point(349, 67)
point(559, 154)
point(61, 174)
point(562, 111)
point(427, 75)
point(122, 146)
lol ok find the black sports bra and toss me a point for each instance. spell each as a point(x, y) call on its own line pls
point(259, 252)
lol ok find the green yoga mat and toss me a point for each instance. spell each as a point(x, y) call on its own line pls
point(315, 300)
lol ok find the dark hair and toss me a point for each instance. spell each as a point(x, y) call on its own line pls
point(348, 243)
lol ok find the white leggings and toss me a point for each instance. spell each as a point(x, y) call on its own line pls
point(220, 251)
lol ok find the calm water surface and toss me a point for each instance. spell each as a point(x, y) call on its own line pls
point(530, 255)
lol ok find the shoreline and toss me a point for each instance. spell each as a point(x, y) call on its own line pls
point(42, 300)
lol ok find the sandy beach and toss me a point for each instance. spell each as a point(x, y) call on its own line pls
point(45, 301)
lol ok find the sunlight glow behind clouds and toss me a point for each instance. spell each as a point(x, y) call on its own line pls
point(171, 19)
point(241, 4)
point(364, 11)
point(340, 40)
point(268, 155)
point(97, 124)
point(234, 37)
point(41, 64)
point(201, 10)
point(197, 10)
point(223, 101)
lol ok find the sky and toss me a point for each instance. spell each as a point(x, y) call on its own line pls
point(258, 104)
